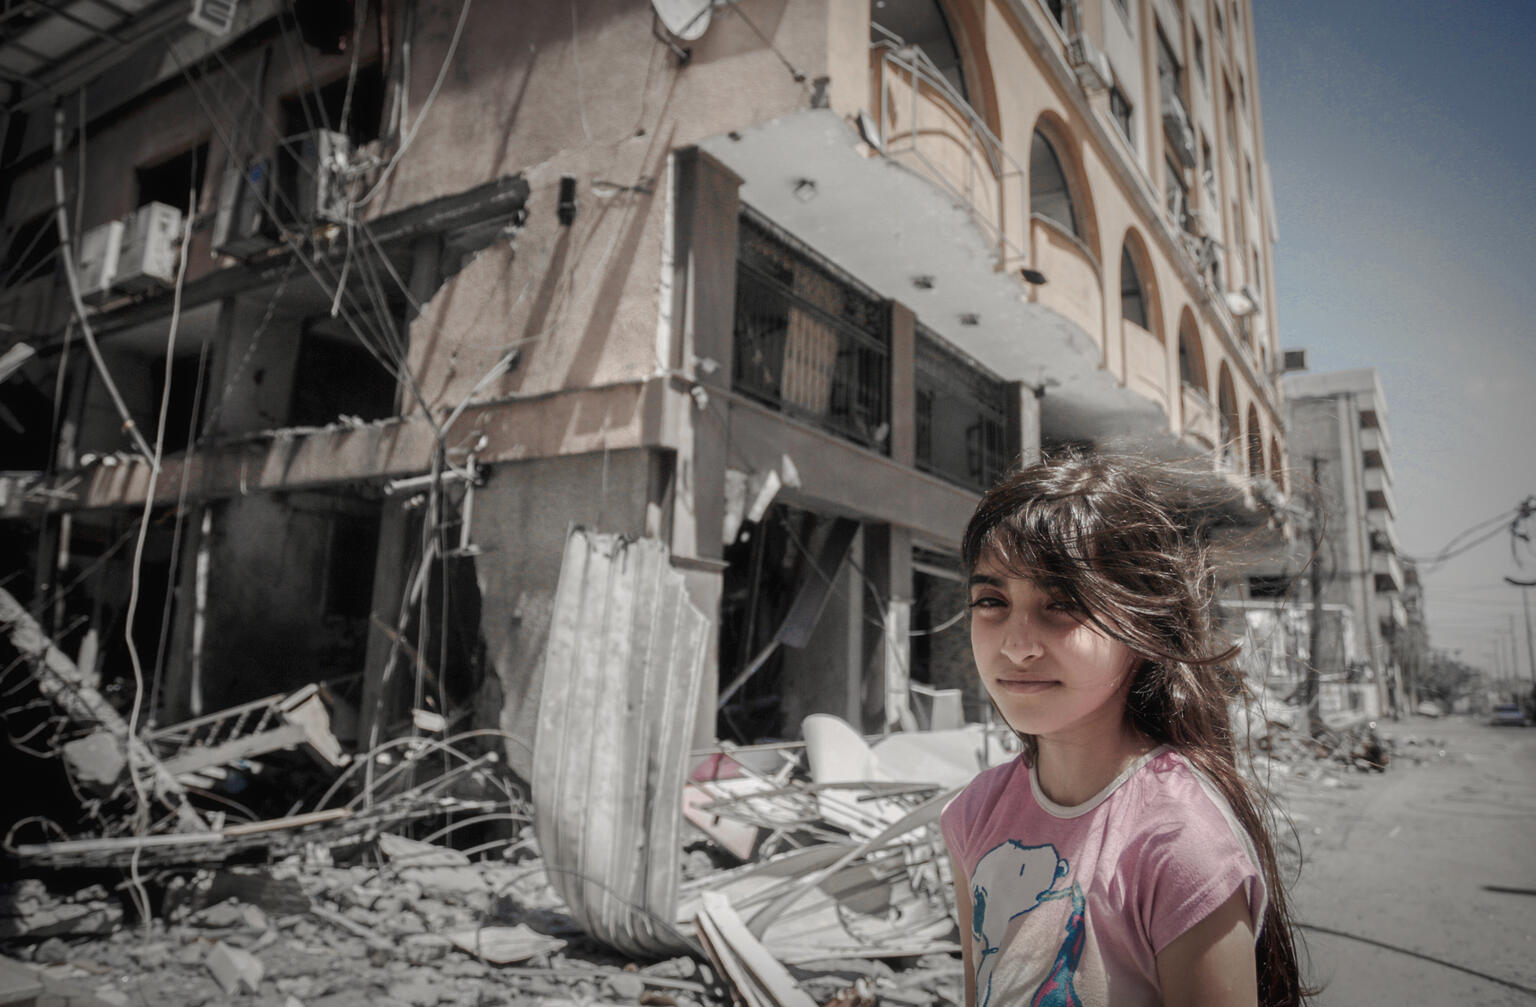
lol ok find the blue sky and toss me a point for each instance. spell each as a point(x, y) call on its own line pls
point(1401, 140)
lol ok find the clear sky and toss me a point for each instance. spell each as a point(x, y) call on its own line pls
point(1401, 139)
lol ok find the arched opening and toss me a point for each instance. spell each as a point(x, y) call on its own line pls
point(1133, 299)
point(1226, 410)
point(1255, 444)
point(923, 25)
point(1050, 192)
point(1191, 354)
point(1276, 471)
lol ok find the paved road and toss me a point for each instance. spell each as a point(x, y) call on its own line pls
point(1415, 858)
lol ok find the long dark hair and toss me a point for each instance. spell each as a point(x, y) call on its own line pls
point(1122, 539)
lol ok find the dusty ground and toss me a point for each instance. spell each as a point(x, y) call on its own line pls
point(1433, 857)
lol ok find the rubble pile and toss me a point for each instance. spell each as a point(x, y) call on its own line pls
point(396, 920)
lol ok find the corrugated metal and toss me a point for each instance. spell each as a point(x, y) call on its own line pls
point(622, 672)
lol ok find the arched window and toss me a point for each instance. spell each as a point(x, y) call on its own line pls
point(1049, 194)
point(1191, 356)
point(921, 24)
point(1255, 444)
point(1275, 471)
point(1226, 411)
point(1133, 303)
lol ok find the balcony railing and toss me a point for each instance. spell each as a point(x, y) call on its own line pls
point(808, 342)
point(922, 121)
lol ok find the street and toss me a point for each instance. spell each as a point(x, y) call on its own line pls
point(1432, 859)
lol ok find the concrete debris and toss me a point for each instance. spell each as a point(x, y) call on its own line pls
point(236, 971)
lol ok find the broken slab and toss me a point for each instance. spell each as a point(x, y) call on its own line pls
point(504, 945)
point(234, 969)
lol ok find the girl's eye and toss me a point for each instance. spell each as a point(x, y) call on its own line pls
point(986, 601)
point(1064, 607)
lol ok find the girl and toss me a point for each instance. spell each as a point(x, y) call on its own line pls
point(1122, 858)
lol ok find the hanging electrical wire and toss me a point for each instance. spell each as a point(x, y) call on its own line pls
point(421, 115)
point(67, 256)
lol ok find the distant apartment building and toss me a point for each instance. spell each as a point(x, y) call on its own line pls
point(785, 285)
point(1339, 440)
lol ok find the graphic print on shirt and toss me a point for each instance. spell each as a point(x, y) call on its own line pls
point(1013, 879)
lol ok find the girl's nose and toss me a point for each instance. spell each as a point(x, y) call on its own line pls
point(1021, 639)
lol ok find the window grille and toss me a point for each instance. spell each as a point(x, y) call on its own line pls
point(962, 416)
point(809, 341)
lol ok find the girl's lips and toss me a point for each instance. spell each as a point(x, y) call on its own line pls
point(1025, 686)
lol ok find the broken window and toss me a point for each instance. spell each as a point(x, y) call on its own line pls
point(962, 415)
point(808, 340)
point(1255, 444)
point(1191, 361)
point(174, 179)
point(1133, 303)
point(785, 584)
point(1169, 73)
point(1269, 586)
point(1176, 194)
point(358, 116)
point(922, 25)
point(1050, 195)
point(1120, 110)
point(337, 376)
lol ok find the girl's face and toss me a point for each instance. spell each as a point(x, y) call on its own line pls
point(1050, 671)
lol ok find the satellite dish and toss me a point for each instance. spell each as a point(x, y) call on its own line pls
point(685, 19)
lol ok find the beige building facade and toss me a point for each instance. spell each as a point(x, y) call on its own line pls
point(785, 286)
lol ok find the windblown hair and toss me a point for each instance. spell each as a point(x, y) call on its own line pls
point(1119, 539)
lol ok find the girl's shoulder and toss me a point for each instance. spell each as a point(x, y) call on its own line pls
point(985, 791)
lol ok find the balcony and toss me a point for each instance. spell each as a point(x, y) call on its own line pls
point(1370, 425)
point(1378, 493)
point(1146, 364)
point(1389, 611)
point(1201, 425)
point(1073, 291)
point(1388, 572)
point(924, 124)
point(1376, 453)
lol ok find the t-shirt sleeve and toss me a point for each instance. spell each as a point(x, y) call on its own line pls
point(1189, 868)
point(953, 823)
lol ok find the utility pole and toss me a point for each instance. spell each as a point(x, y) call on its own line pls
point(1313, 688)
point(1530, 648)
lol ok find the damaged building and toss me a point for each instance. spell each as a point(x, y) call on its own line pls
point(325, 323)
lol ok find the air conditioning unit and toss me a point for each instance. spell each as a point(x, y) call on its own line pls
point(149, 252)
point(1092, 66)
point(216, 17)
point(243, 225)
point(100, 248)
point(313, 177)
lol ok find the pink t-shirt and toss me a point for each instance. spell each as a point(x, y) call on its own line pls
point(1073, 904)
